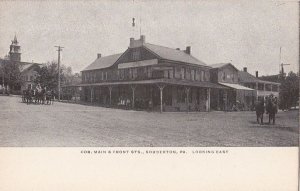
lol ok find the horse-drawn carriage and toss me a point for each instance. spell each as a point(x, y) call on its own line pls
point(38, 95)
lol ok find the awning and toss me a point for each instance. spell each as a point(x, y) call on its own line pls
point(236, 86)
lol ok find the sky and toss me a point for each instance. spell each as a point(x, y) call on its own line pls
point(245, 33)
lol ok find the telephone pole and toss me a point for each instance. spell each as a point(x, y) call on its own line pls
point(281, 71)
point(59, 48)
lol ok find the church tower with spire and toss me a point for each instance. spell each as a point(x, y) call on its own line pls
point(15, 50)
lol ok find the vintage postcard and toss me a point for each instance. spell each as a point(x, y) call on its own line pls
point(149, 95)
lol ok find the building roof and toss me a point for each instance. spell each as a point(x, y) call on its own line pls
point(28, 65)
point(245, 77)
point(103, 62)
point(220, 65)
point(173, 54)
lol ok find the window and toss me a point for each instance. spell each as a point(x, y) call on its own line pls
point(166, 73)
point(121, 74)
point(224, 76)
point(188, 74)
point(206, 75)
point(178, 72)
point(171, 73)
point(202, 76)
point(141, 72)
point(193, 75)
point(149, 72)
point(130, 73)
point(126, 73)
point(158, 74)
point(136, 54)
point(197, 75)
point(275, 88)
point(134, 73)
point(182, 73)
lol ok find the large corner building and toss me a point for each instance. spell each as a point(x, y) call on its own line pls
point(148, 76)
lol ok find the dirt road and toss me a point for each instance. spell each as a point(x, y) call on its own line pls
point(64, 124)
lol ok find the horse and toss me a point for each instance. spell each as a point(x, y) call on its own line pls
point(28, 96)
point(39, 96)
point(271, 108)
point(49, 97)
point(260, 110)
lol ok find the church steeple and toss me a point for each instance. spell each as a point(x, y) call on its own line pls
point(15, 50)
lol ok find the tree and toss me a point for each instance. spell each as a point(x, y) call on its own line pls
point(47, 75)
point(11, 74)
point(289, 91)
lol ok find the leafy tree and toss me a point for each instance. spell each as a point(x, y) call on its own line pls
point(12, 73)
point(47, 75)
point(289, 91)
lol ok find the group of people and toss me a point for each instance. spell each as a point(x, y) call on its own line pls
point(268, 105)
point(38, 95)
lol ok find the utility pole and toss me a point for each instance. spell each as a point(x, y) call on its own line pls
point(59, 48)
point(281, 71)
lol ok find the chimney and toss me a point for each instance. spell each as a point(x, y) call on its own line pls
point(98, 55)
point(188, 50)
point(256, 74)
point(245, 69)
point(143, 39)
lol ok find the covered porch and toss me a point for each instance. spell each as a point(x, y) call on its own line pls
point(153, 95)
point(235, 98)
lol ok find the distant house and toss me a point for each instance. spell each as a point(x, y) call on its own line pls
point(28, 74)
point(237, 95)
point(263, 88)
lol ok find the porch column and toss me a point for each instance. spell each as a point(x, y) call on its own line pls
point(92, 89)
point(271, 87)
point(161, 88)
point(208, 100)
point(133, 90)
point(99, 96)
point(187, 92)
point(110, 89)
point(218, 101)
